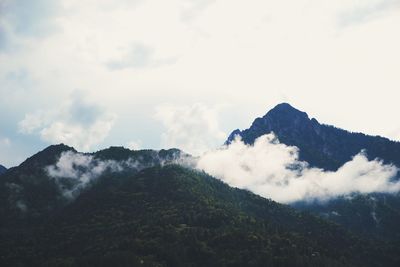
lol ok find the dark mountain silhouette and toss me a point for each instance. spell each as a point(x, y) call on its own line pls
point(28, 193)
point(2, 169)
point(321, 145)
point(163, 215)
point(327, 147)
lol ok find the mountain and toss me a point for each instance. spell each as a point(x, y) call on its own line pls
point(2, 169)
point(373, 215)
point(151, 212)
point(28, 193)
point(320, 145)
point(118, 207)
point(173, 216)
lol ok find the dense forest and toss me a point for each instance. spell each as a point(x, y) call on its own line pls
point(164, 215)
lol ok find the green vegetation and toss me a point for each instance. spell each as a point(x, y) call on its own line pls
point(173, 216)
point(169, 215)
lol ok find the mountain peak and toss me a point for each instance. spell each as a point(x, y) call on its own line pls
point(320, 145)
point(285, 109)
point(282, 117)
point(47, 156)
point(284, 106)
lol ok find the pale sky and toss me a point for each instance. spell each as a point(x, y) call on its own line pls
point(185, 73)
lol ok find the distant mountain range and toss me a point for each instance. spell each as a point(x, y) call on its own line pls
point(118, 207)
point(320, 145)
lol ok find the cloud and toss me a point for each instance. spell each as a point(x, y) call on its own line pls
point(75, 171)
point(32, 122)
point(193, 129)
point(5, 147)
point(134, 145)
point(22, 19)
point(5, 141)
point(243, 59)
point(193, 8)
point(272, 170)
point(139, 56)
point(394, 134)
point(78, 123)
point(367, 10)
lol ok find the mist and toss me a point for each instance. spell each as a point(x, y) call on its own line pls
point(74, 171)
point(273, 170)
point(267, 168)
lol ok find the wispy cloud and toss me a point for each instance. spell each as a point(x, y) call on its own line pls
point(193, 129)
point(5, 141)
point(134, 145)
point(27, 19)
point(365, 11)
point(78, 123)
point(272, 170)
point(75, 171)
point(192, 8)
point(139, 56)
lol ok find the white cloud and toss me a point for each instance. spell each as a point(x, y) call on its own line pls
point(194, 129)
point(365, 11)
point(26, 19)
point(5, 141)
point(75, 171)
point(139, 56)
point(192, 8)
point(134, 145)
point(76, 123)
point(32, 122)
point(80, 169)
point(257, 53)
point(273, 170)
point(83, 137)
point(5, 147)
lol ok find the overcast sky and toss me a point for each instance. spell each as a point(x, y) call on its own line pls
point(184, 73)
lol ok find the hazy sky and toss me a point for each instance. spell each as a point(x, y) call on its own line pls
point(184, 73)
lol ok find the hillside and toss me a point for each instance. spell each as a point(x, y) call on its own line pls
point(173, 216)
point(28, 193)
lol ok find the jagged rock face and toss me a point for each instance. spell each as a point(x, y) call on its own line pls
point(320, 145)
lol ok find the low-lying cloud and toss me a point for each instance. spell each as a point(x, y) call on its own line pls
point(75, 171)
point(267, 168)
point(273, 170)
